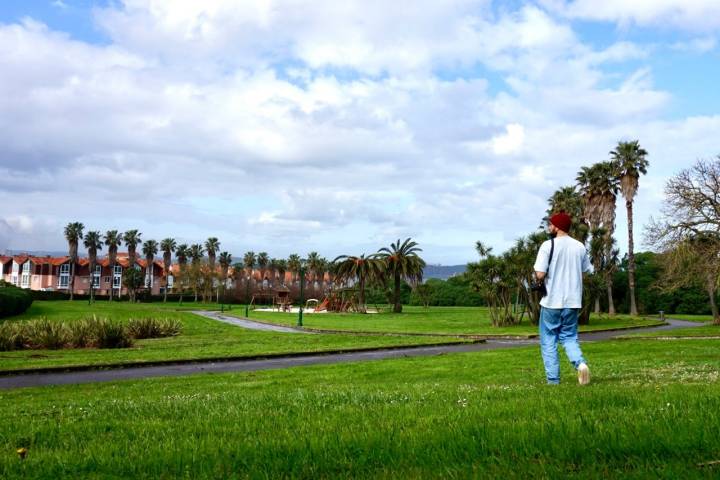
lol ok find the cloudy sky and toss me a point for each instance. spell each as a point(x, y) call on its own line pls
point(340, 126)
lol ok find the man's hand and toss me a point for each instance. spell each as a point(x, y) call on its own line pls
point(540, 276)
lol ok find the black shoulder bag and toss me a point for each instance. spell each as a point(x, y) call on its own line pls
point(539, 285)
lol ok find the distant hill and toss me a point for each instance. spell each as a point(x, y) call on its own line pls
point(443, 272)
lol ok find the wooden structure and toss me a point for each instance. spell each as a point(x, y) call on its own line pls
point(278, 298)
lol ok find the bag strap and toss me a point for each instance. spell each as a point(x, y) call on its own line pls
point(552, 250)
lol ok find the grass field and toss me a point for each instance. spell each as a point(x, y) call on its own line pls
point(201, 338)
point(652, 411)
point(440, 320)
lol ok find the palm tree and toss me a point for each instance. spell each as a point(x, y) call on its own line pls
point(212, 245)
point(273, 268)
point(320, 269)
point(73, 235)
point(313, 262)
point(225, 260)
point(182, 252)
point(630, 163)
point(282, 267)
point(249, 260)
point(196, 254)
point(293, 264)
point(167, 245)
point(360, 269)
point(599, 187)
point(401, 261)
point(262, 261)
point(132, 240)
point(93, 243)
point(150, 249)
point(112, 239)
point(569, 200)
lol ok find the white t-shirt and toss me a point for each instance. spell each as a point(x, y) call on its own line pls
point(564, 280)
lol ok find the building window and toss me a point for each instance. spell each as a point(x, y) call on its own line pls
point(96, 276)
point(117, 276)
point(26, 269)
point(64, 277)
point(170, 281)
point(106, 279)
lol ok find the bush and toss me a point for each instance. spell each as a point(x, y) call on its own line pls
point(153, 327)
point(12, 336)
point(43, 333)
point(82, 333)
point(112, 334)
point(13, 300)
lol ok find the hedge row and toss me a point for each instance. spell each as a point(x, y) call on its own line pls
point(13, 300)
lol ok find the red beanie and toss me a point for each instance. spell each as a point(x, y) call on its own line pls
point(562, 221)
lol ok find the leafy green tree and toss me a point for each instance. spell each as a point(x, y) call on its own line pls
point(225, 260)
point(93, 242)
point(133, 280)
point(402, 262)
point(630, 162)
point(73, 235)
point(494, 280)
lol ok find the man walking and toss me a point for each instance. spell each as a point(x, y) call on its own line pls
point(560, 263)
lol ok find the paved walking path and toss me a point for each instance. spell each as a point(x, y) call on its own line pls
point(34, 380)
point(249, 324)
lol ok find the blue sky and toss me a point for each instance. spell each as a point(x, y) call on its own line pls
point(340, 126)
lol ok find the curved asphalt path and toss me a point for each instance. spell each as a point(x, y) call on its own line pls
point(247, 323)
point(91, 376)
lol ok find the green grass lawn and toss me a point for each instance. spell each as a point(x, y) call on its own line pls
point(652, 411)
point(708, 330)
point(201, 338)
point(440, 320)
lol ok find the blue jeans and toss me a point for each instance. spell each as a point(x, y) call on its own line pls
point(559, 324)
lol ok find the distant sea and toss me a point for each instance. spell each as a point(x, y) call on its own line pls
point(443, 272)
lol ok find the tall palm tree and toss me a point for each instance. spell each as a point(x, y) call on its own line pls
point(599, 186)
point(282, 267)
point(630, 163)
point(313, 262)
point(320, 269)
point(182, 252)
point(132, 240)
point(402, 261)
point(224, 260)
point(212, 245)
point(112, 239)
point(262, 261)
point(249, 261)
point(93, 242)
point(569, 200)
point(168, 246)
point(293, 264)
point(361, 270)
point(73, 235)
point(273, 271)
point(196, 254)
point(150, 249)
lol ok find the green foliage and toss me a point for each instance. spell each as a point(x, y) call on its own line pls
point(112, 334)
point(454, 292)
point(150, 327)
point(13, 300)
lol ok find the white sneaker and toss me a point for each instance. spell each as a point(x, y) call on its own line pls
point(583, 374)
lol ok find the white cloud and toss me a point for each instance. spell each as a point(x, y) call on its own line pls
point(691, 15)
point(287, 126)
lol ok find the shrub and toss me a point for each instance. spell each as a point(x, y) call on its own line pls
point(43, 333)
point(112, 334)
point(82, 333)
point(13, 300)
point(13, 336)
point(153, 328)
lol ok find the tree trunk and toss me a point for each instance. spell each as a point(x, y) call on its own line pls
point(112, 280)
point(361, 295)
point(712, 290)
point(611, 302)
point(397, 308)
point(72, 279)
point(631, 258)
point(166, 288)
point(597, 304)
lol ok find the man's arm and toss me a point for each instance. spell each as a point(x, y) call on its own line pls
point(541, 262)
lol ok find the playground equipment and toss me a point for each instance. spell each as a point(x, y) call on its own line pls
point(278, 299)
